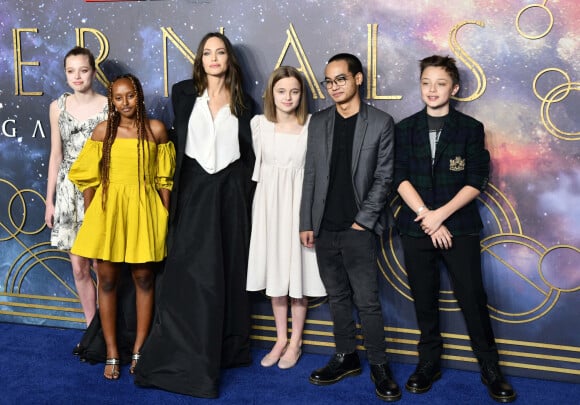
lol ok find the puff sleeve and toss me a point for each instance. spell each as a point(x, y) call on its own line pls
point(256, 142)
point(165, 166)
point(84, 172)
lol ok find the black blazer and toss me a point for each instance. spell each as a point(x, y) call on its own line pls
point(183, 96)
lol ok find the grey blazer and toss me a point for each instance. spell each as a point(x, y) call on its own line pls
point(372, 168)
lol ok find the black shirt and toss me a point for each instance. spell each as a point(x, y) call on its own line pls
point(341, 208)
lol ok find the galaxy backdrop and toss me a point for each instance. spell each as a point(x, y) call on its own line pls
point(520, 67)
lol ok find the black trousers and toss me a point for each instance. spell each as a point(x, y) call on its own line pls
point(347, 261)
point(463, 263)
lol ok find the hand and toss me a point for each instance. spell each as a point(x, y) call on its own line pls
point(49, 216)
point(442, 238)
point(307, 238)
point(357, 227)
point(430, 221)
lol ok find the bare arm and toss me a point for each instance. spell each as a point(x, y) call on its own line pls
point(165, 194)
point(53, 163)
point(414, 201)
point(88, 195)
point(410, 196)
point(99, 132)
point(159, 131)
point(432, 220)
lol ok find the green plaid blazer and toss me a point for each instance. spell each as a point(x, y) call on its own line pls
point(461, 159)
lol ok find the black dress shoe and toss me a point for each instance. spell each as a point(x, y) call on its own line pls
point(426, 373)
point(386, 387)
point(340, 365)
point(499, 389)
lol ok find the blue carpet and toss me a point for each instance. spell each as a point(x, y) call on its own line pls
point(37, 367)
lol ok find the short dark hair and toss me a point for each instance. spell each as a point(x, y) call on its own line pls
point(79, 50)
point(354, 64)
point(445, 62)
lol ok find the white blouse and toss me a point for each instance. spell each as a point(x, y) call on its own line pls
point(213, 143)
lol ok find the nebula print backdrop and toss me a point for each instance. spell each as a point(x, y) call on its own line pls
point(520, 67)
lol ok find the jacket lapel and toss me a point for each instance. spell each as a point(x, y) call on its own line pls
point(329, 133)
point(441, 144)
point(359, 136)
point(182, 113)
point(446, 136)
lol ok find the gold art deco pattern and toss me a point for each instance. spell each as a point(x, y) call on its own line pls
point(36, 280)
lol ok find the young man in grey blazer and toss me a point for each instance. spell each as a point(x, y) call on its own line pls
point(348, 175)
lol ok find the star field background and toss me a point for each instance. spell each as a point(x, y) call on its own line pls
point(532, 267)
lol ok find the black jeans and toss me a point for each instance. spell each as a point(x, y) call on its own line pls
point(463, 263)
point(348, 268)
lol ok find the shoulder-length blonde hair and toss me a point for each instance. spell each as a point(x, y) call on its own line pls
point(270, 107)
point(233, 78)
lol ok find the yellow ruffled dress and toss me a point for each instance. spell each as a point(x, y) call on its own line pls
point(133, 226)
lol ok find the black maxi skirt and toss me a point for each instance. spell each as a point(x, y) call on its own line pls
point(202, 320)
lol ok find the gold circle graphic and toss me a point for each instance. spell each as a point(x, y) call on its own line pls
point(543, 34)
point(543, 275)
point(17, 194)
point(552, 97)
point(535, 83)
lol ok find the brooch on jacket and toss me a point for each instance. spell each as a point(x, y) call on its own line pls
point(457, 164)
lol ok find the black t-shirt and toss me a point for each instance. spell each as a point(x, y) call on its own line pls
point(340, 208)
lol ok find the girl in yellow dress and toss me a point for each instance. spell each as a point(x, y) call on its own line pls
point(125, 172)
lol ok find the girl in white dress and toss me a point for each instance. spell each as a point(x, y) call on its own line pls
point(72, 120)
point(278, 263)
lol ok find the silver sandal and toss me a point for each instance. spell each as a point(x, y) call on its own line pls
point(134, 359)
point(115, 369)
